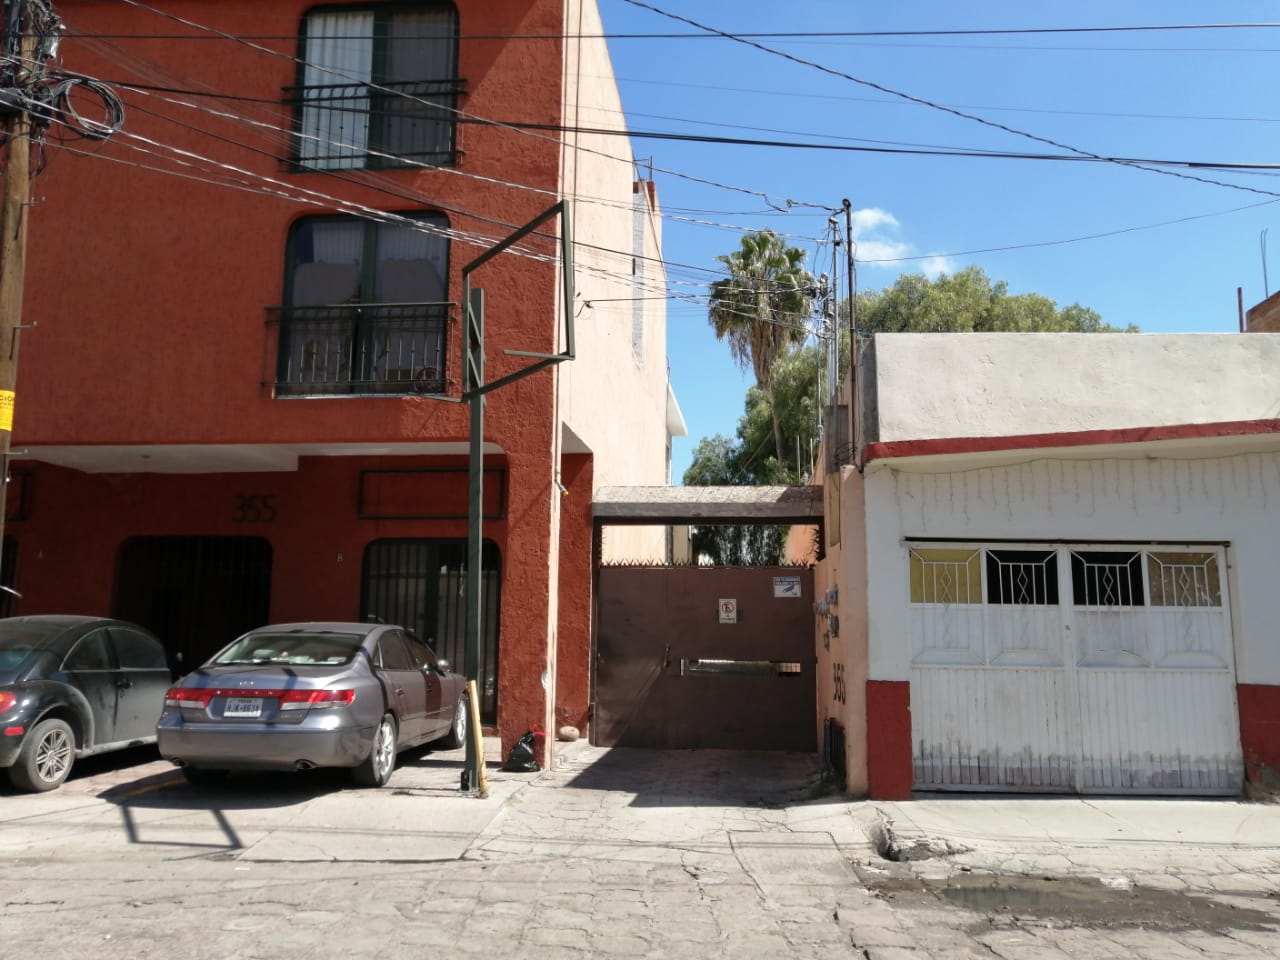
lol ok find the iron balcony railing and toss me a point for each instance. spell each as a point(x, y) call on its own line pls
point(362, 348)
point(360, 125)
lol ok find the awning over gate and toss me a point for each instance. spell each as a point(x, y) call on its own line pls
point(661, 505)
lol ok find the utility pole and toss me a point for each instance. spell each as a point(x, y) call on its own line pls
point(853, 330)
point(20, 45)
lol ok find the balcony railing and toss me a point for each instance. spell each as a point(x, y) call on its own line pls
point(362, 348)
point(358, 125)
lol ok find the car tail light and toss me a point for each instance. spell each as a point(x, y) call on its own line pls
point(7, 701)
point(184, 697)
point(315, 699)
point(198, 699)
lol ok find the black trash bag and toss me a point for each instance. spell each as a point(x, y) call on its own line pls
point(521, 758)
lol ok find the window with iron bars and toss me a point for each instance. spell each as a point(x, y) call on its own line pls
point(378, 87)
point(365, 307)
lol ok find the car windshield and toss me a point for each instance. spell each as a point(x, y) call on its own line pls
point(297, 647)
point(19, 639)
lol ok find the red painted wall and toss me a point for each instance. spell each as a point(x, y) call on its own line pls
point(889, 775)
point(573, 647)
point(69, 543)
point(150, 294)
point(1259, 729)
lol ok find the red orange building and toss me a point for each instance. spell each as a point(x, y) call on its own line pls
point(241, 364)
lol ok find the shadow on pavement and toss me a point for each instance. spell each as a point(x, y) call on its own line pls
point(685, 778)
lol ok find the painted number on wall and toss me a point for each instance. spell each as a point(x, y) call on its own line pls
point(838, 682)
point(253, 508)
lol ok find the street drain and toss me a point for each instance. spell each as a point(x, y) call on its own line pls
point(1081, 902)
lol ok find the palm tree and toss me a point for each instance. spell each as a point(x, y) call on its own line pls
point(761, 307)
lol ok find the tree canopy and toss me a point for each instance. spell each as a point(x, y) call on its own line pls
point(969, 301)
point(762, 307)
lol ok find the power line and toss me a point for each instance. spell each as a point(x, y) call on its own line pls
point(459, 113)
point(704, 271)
point(862, 145)
point(768, 35)
point(881, 101)
point(937, 106)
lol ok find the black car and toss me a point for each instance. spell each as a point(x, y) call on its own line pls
point(72, 687)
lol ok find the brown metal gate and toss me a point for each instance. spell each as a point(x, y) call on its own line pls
point(678, 668)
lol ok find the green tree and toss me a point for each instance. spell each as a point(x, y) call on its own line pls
point(969, 301)
point(761, 307)
point(720, 461)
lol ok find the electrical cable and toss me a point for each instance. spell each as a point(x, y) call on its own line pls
point(937, 106)
point(787, 203)
point(780, 35)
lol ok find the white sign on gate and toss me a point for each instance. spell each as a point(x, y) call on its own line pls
point(786, 587)
point(728, 611)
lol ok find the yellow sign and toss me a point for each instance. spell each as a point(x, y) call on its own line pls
point(6, 410)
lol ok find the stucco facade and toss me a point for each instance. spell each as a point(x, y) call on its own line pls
point(150, 397)
point(1079, 447)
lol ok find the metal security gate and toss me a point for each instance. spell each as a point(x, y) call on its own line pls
point(690, 657)
point(196, 594)
point(421, 584)
point(1091, 669)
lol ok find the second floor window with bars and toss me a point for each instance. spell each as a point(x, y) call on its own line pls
point(378, 87)
point(366, 307)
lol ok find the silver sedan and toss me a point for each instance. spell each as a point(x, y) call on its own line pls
point(301, 695)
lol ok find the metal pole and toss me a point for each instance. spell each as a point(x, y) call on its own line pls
point(473, 774)
point(853, 330)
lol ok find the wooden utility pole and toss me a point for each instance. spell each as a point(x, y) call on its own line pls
point(13, 245)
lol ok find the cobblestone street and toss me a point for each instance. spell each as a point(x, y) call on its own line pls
point(612, 854)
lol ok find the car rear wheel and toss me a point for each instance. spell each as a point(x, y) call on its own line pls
point(45, 758)
point(204, 776)
point(376, 769)
point(457, 734)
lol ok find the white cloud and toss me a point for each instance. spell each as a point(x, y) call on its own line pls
point(871, 250)
point(877, 242)
point(934, 267)
point(864, 221)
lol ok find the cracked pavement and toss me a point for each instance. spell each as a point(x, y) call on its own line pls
point(614, 853)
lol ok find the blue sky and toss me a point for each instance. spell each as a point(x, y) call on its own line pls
point(1178, 249)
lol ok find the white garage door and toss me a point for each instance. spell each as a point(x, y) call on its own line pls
point(1090, 668)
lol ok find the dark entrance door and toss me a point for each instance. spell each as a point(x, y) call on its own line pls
point(195, 593)
point(719, 657)
point(421, 585)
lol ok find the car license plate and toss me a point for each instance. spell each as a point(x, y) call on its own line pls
point(243, 707)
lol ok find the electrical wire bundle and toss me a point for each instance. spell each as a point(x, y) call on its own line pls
point(28, 82)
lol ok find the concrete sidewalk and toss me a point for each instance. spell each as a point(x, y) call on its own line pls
point(420, 816)
point(1210, 844)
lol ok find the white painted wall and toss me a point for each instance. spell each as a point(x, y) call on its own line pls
point(1001, 384)
point(614, 396)
point(1079, 495)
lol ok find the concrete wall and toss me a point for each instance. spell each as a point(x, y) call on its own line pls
point(841, 643)
point(995, 385)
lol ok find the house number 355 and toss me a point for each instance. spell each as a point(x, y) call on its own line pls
point(257, 508)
